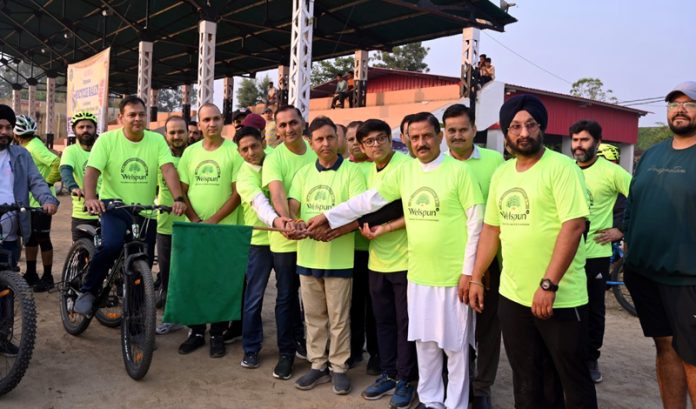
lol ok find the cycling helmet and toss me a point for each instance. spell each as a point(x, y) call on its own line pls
point(610, 152)
point(24, 125)
point(79, 116)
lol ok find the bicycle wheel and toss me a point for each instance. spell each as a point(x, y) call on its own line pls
point(17, 329)
point(110, 315)
point(74, 270)
point(138, 326)
point(623, 296)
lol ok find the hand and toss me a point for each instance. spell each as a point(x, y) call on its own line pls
point(280, 222)
point(95, 206)
point(49, 208)
point(476, 294)
point(608, 236)
point(317, 221)
point(373, 232)
point(463, 288)
point(542, 304)
point(179, 208)
point(320, 233)
point(298, 230)
point(77, 192)
point(340, 231)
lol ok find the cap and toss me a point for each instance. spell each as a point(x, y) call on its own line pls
point(254, 121)
point(687, 88)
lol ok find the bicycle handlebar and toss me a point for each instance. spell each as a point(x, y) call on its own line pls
point(116, 204)
point(7, 207)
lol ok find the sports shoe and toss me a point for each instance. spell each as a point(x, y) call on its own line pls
point(595, 374)
point(301, 348)
point(217, 347)
point(341, 383)
point(192, 343)
point(160, 298)
point(31, 278)
point(250, 360)
point(481, 402)
point(403, 395)
point(382, 386)
point(233, 333)
point(44, 284)
point(8, 349)
point(312, 378)
point(167, 327)
point(373, 366)
point(283, 370)
point(85, 304)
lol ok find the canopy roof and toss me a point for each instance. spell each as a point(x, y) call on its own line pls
point(252, 35)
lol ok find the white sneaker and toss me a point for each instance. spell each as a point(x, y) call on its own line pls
point(166, 328)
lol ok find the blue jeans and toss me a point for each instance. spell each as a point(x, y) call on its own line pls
point(114, 225)
point(287, 309)
point(258, 271)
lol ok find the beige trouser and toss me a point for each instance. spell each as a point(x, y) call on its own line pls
point(327, 316)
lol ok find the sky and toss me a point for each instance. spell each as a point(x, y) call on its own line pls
point(639, 49)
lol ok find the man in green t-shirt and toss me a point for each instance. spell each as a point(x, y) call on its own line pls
point(126, 159)
point(536, 213)
point(73, 162)
point(47, 163)
point(443, 210)
point(325, 268)
point(208, 171)
point(279, 169)
point(605, 181)
point(176, 135)
point(460, 131)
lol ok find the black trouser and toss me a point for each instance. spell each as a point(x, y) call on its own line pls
point(362, 319)
point(597, 270)
point(397, 356)
point(164, 253)
point(40, 231)
point(484, 363)
point(216, 328)
point(77, 234)
point(560, 341)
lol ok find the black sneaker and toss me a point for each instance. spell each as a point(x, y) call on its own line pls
point(31, 279)
point(44, 284)
point(373, 366)
point(283, 370)
point(233, 333)
point(192, 343)
point(595, 373)
point(341, 383)
point(8, 349)
point(160, 298)
point(301, 348)
point(313, 378)
point(250, 360)
point(217, 347)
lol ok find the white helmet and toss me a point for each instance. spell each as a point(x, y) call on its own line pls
point(24, 125)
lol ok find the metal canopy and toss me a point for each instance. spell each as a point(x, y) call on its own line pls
point(252, 35)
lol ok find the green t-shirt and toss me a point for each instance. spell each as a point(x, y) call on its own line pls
point(209, 176)
point(435, 204)
point(388, 252)
point(166, 220)
point(318, 192)
point(248, 187)
point(129, 169)
point(529, 208)
point(484, 166)
point(361, 243)
point(76, 157)
point(605, 180)
point(282, 165)
point(43, 158)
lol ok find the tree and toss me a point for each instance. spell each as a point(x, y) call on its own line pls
point(169, 99)
point(325, 71)
point(252, 91)
point(648, 136)
point(409, 57)
point(592, 88)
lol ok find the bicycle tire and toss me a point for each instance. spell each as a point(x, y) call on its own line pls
point(19, 294)
point(623, 297)
point(138, 325)
point(74, 269)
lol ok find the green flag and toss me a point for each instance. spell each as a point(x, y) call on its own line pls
point(206, 277)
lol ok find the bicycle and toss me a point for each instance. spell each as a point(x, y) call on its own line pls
point(17, 318)
point(616, 280)
point(131, 273)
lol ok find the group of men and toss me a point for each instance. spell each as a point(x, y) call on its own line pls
point(428, 259)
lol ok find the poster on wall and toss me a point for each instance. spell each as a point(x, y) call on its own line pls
point(88, 88)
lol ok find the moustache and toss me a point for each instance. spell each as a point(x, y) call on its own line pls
point(677, 116)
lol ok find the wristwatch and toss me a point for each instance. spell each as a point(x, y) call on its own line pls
point(548, 285)
point(179, 199)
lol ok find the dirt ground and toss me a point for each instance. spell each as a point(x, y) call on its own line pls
point(87, 371)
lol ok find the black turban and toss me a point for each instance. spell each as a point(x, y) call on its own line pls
point(7, 113)
point(525, 102)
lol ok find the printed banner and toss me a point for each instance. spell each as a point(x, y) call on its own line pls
point(88, 88)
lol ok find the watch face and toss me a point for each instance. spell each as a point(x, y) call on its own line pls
point(545, 285)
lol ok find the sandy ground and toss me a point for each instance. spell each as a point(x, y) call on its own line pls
point(87, 371)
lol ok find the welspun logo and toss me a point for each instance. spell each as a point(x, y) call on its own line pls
point(134, 170)
point(320, 199)
point(424, 204)
point(207, 173)
point(514, 206)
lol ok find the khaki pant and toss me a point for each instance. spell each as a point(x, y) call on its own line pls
point(327, 316)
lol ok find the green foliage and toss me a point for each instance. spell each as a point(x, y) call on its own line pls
point(648, 136)
point(252, 91)
point(592, 88)
point(423, 200)
point(320, 196)
point(409, 57)
point(514, 202)
point(134, 167)
point(325, 71)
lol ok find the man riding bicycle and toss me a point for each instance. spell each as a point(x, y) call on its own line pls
point(127, 160)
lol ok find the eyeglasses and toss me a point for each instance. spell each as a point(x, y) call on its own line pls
point(516, 129)
point(377, 140)
point(688, 105)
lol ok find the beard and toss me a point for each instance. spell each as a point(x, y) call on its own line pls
point(683, 130)
point(532, 149)
point(5, 142)
point(586, 155)
point(87, 139)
